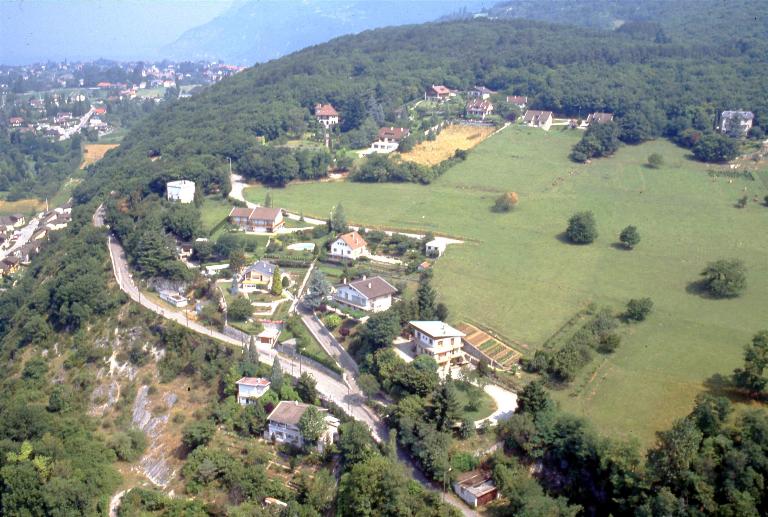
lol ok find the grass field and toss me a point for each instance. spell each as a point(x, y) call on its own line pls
point(214, 211)
point(432, 152)
point(22, 206)
point(485, 404)
point(517, 277)
point(92, 153)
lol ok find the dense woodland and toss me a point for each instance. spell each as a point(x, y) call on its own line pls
point(712, 462)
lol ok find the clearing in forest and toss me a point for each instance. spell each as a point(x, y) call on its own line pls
point(92, 153)
point(22, 206)
point(432, 152)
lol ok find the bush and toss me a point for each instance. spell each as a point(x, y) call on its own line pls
point(715, 148)
point(505, 202)
point(629, 237)
point(197, 433)
point(609, 343)
point(655, 161)
point(240, 309)
point(332, 321)
point(582, 228)
point(638, 309)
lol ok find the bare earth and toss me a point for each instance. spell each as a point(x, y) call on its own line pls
point(92, 153)
point(432, 152)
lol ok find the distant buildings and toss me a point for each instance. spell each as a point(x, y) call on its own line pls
point(737, 123)
point(480, 92)
point(182, 191)
point(598, 118)
point(437, 92)
point(174, 299)
point(389, 138)
point(256, 276)
point(479, 108)
point(518, 100)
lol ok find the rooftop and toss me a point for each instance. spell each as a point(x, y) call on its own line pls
point(289, 412)
point(374, 287)
point(325, 110)
point(253, 381)
point(354, 240)
point(476, 482)
point(269, 333)
point(181, 183)
point(436, 329)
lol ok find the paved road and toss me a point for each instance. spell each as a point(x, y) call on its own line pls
point(346, 395)
point(24, 235)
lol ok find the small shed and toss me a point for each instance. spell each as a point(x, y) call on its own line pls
point(269, 336)
point(476, 488)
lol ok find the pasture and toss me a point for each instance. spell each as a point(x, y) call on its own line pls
point(92, 153)
point(516, 276)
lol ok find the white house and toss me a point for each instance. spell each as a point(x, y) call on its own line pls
point(326, 115)
point(367, 294)
point(435, 248)
point(388, 139)
point(182, 191)
point(251, 388)
point(476, 488)
point(349, 246)
point(440, 341)
point(480, 92)
point(536, 118)
point(597, 117)
point(283, 425)
point(736, 123)
point(521, 101)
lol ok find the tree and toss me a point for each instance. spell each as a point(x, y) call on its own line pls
point(677, 449)
point(368, 384)
point(425, 298)
point(725, 278)
point(505, 202)
point(306, 387)
point(339, 220)
point(268, 199)
point(447, 406)
point(277, 282)
point(311, 425)
point(197, 433)
point(240, 309)
point(237, 260)
point(467, 429)
point(355, 443)
point(534, 399)
point(629, 237)
point(582, 228)
point(715, 148)
point(638, 309)
point(276, 377)
point(752, 376)
point(318, 290)
point(655, 160)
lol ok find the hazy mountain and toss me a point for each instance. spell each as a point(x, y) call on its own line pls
point(260, 30)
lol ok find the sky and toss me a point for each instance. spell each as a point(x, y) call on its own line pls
point(41, 30)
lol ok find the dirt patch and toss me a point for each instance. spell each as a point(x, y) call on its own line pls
point(432, 152)
point(92, 153)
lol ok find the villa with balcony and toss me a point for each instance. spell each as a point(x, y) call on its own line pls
point(440, 341)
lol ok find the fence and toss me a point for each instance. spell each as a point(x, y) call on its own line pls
point(236, 334)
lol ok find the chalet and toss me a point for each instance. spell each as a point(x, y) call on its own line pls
point(437, 92)
point(736, 124)
point(440, 341)
point(349, 245)
point(476, 488)
point(326, 115)
point(260, 219)
point(598, 118)
point(480, 92)
point(250, 389)
point(15, 121)
point(535, 118)
point(182, 191)
point(479, 108)
point(256, 276)
point(435, 248)
point(367, 294)
point(520, 101)
point(269, 336)
point(389, 139)
point(283, 425)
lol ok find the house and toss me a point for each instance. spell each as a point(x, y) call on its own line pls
point(257, 276)
point(39, 235)
point(479, 108)
point(15, 121)
point(476, 488)
point(249, 389)
point(480, 92)
point(57, 222)
point(389, 139)
point(349, 245)
point(367, 294)
point(598, 118)
point(12, 263)
point(435, 248)
point(283, 425)
point(535, 118)
point(184, 250)
point(17, 220)
point(736, 124)
point(174, 299)
point(269, 336)
point(261, 219)
point(182, 191)
point(520, 101)
point(100, 111)
point(437, 92)
point(326, 115)
point(440, 341)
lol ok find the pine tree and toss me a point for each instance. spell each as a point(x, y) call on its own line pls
point(277, 282)
point(276, 378)
point(339, 220)
point(425, 299)
point(318, 289)
point(447, 406)
point(253, 351)
point(268, 200)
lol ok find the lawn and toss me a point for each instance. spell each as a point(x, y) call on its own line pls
point(485, 404)
point(214, 210)
point(516, 276)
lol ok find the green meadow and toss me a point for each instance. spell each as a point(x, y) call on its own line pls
point(516, 275)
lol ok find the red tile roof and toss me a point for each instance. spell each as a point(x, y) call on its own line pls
point(439, 89)
point(393, 133)
point(354, 240)
point(253, 381)
point(260, 213)
point(325, 110)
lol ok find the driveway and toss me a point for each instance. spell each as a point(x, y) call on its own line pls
point(506, 404)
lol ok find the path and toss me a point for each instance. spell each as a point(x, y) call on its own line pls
point(506, 404)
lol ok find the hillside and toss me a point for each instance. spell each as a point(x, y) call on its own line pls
point(258, 31)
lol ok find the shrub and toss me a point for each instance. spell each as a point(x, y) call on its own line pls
point(582, 228)
point(505, 202)
point(609, 343)
point(332, 321)
point(197, 433)
point(629, 237)
point(240, 309)
point(655, 160)
point(638, 309)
